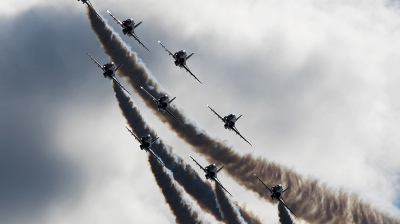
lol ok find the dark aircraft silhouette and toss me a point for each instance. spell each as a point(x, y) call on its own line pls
point(128, 28)
point(145, 144)
point(180, 58)
point(109, 71)
point(163, 103)
point(276, 193)
point(211, 173)
point(230, 121)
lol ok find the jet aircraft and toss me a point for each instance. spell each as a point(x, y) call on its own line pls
point(109, 71)
point(211, 173)
point(145, 143)
point(229, 121)
point(180, 58)
point(276, 193)
point(163, 103)
point(128, 28)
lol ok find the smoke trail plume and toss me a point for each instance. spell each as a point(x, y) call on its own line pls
point(173, 194)
point(249, 216)
point(309, 199)
point(284, 216)
point(183, 173)
point(230, 212)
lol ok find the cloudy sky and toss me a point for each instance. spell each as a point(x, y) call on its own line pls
point(316, 83)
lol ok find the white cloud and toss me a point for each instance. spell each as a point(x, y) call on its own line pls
point(316, 82)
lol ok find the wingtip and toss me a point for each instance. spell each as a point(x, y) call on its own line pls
point(141, 87)
point(159, 42)
point(108, 11)
point(207, 105)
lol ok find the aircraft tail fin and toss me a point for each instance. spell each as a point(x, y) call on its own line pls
point(138, 24)
point(189, 56)
point(154, 140)
point(285, 190)
point(172, 99)
point(220, 169)
point(118, 67)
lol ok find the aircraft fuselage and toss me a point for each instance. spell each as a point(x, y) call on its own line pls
point(163, 102)
point(180, 58)
point(109, 70)
point(145, 142)
point(276, 191)
point(230, 121)
point(211, 171)
point(129, 26)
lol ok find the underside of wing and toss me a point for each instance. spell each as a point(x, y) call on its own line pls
point(158, 158)
point(169, 52)
point(281, 201)
point(116, 80)
point(263, 183)
point(188, 70)
point(97, 63)
point(216, 113)
point(169, 112)
point(89, 4)
point(198, 164)
point(217, 181)
point(119, 22)
point(137, 39)
point(149, 94)
point(133, 134)
point(237, 132)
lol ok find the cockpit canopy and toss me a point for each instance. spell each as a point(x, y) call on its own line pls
point(213, 166)
point(181, 53)
point(231, 116)
point(129, 21)
point(109, 65)
point(277, 187)
point(163, 98)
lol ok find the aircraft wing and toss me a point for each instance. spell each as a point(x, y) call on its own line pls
point(149, 94)
point(281, 201)
point(216, 113)
point(158, 158)
point(89, 4)
point(116, 80)
point(263, 183)
point(198, 164)
point(169, 112)
point(237, 132)
point(119, 22)
point(219, 183)
point(98, 64)
point(188, 70)
point(133, 135)
point(137, 39)
point(169, 52)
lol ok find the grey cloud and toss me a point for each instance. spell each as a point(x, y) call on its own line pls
point(43, 62)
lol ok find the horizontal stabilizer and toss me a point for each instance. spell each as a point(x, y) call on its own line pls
point(189, 56)
point(238, 117)
point(118, 67)
point(154, 140)
point(220, 169)
point(138, 24)
point(172, 99)
point(285, 190)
